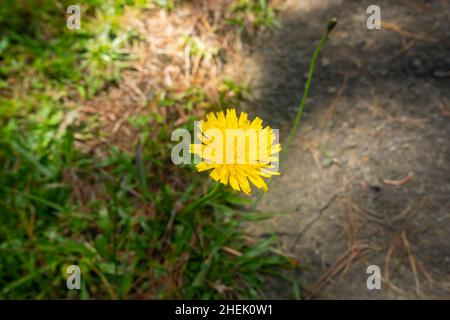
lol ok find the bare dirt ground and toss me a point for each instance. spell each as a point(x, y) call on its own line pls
point(367, 180)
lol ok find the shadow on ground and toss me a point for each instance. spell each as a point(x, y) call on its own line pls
point(367, 179)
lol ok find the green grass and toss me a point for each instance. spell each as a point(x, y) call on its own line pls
point(121, 217)
point(61, 207)
point(37, 48)
point(248, 14)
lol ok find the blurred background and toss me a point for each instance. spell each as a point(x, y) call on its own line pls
point(86, 117)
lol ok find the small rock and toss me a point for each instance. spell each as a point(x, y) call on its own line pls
point(332, 90)
point(441, 74)
point(325, 62)
point(417, 63)
point(383, 72)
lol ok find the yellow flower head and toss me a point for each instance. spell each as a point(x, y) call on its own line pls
point(236, 150)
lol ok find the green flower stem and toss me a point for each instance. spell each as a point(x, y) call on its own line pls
point(196, 204)
point(294, 129)
point(211, 194)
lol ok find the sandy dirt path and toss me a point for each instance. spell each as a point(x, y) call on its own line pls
point(367, 179)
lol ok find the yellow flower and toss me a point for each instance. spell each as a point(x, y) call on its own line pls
point(236, 150)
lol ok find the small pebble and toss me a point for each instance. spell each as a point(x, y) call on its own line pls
point(441, 74)
point(417, 63)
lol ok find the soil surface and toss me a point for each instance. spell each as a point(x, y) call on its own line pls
point(367, 178)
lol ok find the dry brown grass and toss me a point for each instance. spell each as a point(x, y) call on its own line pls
point(190, 47)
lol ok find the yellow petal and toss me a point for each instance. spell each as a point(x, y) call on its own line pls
point(243, 183)
point(234, 182)
point(258, 182)
point(225, 175)
point(203, 166)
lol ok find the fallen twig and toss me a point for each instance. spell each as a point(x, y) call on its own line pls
point(407, 34)
point(319, 215)
point(412, 261)
point(354, 252)
point(399, 182)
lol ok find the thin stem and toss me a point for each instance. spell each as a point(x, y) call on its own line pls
point(114, 230)
point(211, 194)
point(196, 204)
point(294, 129)
point(197, 235)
